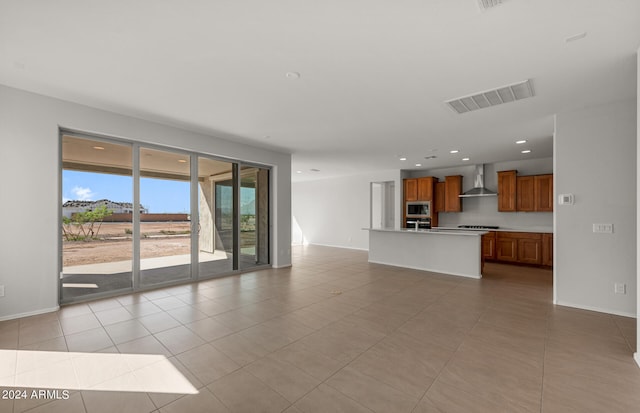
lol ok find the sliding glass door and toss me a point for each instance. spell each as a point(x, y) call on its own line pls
point(215, 216)
point(165, 218)
point(136, 216)
point(96, 222)
point(254, 216)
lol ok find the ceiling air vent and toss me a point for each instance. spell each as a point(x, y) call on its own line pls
point(504, 94)
point(488, 4)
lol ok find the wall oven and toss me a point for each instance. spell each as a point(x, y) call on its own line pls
point(417, 223)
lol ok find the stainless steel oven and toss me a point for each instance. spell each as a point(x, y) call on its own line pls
point(418, 209)
point(417, 223)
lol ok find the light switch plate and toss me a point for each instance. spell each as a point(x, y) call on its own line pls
point(620, 288)
point(603, 228)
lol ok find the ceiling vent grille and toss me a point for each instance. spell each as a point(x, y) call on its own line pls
point(488, 4)
point(504, 94)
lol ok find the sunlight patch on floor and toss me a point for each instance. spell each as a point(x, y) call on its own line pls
point(91, 371)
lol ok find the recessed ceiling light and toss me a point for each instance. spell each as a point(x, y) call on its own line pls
point(575, 37)
point(293, 75)
point(520, 142)
point(403, 159)
point(430, 157)
point(454, 151)
point(99, 148)
point(182, 161)
point(418, 164)
point(298, 172)
point(526, 151)
point(465, 159)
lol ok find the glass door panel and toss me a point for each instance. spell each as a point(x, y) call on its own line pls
point(215, 217)
point(165, 218)
point(254, 216)
point(97, 206)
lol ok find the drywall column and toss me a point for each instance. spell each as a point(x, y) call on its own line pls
point(595, 160)
point(637, 353)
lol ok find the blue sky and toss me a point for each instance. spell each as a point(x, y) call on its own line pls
point(158, 195)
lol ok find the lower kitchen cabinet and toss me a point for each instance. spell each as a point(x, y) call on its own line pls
point(547, 250)
point(530, 249)
point(489, 246)
point(506, 247)
point(520, 248)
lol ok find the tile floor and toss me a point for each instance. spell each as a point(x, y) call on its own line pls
point(331, 334)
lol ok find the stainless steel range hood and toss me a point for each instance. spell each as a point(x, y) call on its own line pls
point(478, 185)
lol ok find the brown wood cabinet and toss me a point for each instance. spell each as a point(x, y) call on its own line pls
point(531, 193)
point(411, 189)
point(547, 249)
point(506, 247)
point(489, 246)
point(507, 191)
point(453, 189)
point(426, 188)
point(530, 248)
point(522, 248)
point(543, 192)
point(525, 189)
point(438, 201)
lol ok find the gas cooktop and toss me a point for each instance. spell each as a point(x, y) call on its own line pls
point(478, 226)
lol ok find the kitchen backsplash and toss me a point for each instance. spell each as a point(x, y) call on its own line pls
point(484, 211)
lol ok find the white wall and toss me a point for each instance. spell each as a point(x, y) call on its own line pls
point(484, 210)
point(334, 211)
point(595, 159)
point(29, 167)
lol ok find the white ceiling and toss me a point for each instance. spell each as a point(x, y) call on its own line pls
point(374, 74)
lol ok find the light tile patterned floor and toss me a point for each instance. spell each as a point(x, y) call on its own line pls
point(331, 334)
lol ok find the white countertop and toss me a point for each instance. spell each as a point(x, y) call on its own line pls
point(432, 231)
point(501, 229)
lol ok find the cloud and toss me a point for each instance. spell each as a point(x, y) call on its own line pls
point(82, 194)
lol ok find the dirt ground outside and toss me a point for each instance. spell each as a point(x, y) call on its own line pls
point(114, 243)
point(159, 239)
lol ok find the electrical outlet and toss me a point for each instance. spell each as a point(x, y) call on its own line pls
point(1, 290)
point(603, 228)
point(620, 288)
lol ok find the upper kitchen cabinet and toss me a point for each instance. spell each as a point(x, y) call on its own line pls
point(507, 191)
point(543, 192)
point(453, 189)
point(525, 189)
point(426, 188)
point(419, 189)
point(438, 202)
point(411, 189)
point(532, 193)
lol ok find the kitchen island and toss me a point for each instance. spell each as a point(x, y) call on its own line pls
point(442, 251)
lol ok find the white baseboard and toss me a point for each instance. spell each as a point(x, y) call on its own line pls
point(597, 309)
point(30, 313)
point(282, 266)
